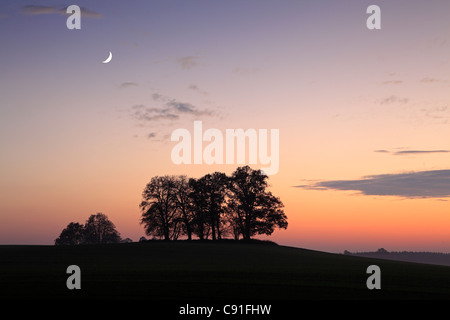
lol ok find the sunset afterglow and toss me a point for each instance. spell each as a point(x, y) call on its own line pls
point(363, 115)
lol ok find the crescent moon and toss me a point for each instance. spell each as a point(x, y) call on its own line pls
point(109, 58)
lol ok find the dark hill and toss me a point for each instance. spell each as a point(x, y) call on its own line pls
point(212, 271)
point(409, 256)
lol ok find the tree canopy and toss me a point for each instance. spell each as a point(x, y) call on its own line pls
point(257, 211)
point(97, 230)
point(215, 205)
point(72, 234)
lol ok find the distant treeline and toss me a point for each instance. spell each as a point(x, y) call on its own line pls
point(408, 256)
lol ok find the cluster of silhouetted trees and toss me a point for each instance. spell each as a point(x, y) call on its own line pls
point(211, 207)
point(215, 206)
point(98, 229)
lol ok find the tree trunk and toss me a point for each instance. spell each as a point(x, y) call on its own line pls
point(247, 227)
point(219, 233)
point(200, 231)
point(189, 232)
point(213, 230)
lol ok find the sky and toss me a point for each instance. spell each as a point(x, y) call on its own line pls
point(363, 115)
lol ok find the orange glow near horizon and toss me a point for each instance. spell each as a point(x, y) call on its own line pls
point(79, 137)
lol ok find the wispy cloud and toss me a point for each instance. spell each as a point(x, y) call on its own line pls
point(422, 184)
point(162, 113)
point(34, 10)
point(245, 71)
point(432, 80)
point(412, 152)
point(393, 82)
point(437, 114)
point(196, 88)
point(188, 62)
point(409, 152)
point(187, 108)
point(170, 104)
point(394, 99)
point(169, 110)
point(37, 10)
point(142, 113)
point(125, 85)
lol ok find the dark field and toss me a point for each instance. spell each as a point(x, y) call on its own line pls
point(209, 271)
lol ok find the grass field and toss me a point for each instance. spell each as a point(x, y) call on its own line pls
point(209, 271)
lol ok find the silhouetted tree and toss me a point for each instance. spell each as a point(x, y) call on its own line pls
point(99, 229)
point(256, 210)
point(159, 208)
point(216, 186)
point(184, 205)
point(71, 235)
point(207, 196)
point(199, 197)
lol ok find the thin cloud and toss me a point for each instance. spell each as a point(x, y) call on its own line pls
point(381, 151)
point(188, 108)
point(182, 107)
point(245, 71)
point(84, 13)
point(407, 152)
point(196, 88)
point(412, 152)
point(35, 10)
point(188, 62)
point(125, 85)
point(170, 110)
point(142, 113)
point(437, 114)
point(394, 99)
point(170, 104)
point(157, 96)
point(393, 82)
point(163, 113)
point(422, 184)
point(38, 10)
point(431, 80)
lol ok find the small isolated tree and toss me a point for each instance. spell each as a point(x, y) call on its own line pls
point(256, 210)
point(99, 229)
point(71, 235)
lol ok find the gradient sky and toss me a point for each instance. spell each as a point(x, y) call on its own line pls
point(364, 115)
